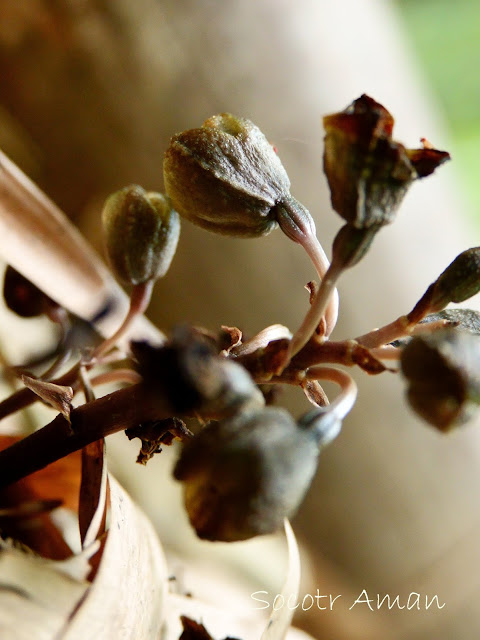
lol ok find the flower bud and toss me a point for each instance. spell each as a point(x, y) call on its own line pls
point(244, 475)
point(195, 378)
point(141, 234)
point(443, 374)
point(226, 177)
point(351, 244)
point(367, 171)
point(459, 281)
point(24, 298)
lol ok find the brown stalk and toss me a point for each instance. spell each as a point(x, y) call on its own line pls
point(114, 412)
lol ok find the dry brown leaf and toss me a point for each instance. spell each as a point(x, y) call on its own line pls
point(57, 482)
point(60, 480)
point(93, 501)
point(127, 597)
point(35, 599)
point(39, 598)
point(93, 493)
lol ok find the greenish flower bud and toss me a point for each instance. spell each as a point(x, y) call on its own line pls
point(443, 374)
point(226, 177)
point(244, 475)
point(459, 281)
point(141, 234)
point(367, 171)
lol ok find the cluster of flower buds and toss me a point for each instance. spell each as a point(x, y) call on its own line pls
point(244, 474)
point(249, 468)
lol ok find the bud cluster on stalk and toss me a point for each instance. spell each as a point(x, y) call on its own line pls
point(250, 465)
point(244, 474)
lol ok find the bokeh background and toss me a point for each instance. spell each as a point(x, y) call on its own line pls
point(445, 39)
point(91, 91)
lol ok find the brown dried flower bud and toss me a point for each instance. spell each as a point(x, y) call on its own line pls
point(141, 234)
point(24, 298)
point(459, 281)
point(244, 475)
point(443, 374)
point(226, 177)
point(194, 377)
point(368, 172)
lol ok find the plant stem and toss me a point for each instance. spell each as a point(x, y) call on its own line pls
point(297, 223)
point(399, 328)
point(402, 326)
point(128, 376)
point(139, 301)
point(388, 352)
point(320, 304)
point(344, 402)
point(324, 269)
point(117, 411)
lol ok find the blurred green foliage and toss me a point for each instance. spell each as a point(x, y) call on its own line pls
point(446, 36)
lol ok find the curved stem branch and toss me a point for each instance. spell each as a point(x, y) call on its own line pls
point(388, 352)
point(344, 402)
point(320, 261)
point(321, 306)
point(297, 223)
point(128, 376)
point(139, 301)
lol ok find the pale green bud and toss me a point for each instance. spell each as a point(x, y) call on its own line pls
point(226, 177)
point(141, 234)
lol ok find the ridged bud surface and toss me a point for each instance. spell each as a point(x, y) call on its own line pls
point(244, 475)
point(226, 177)
point(141, 234)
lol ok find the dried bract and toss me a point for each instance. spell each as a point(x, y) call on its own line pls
point(368, 172)
point(141, 234)
point(443, 374)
